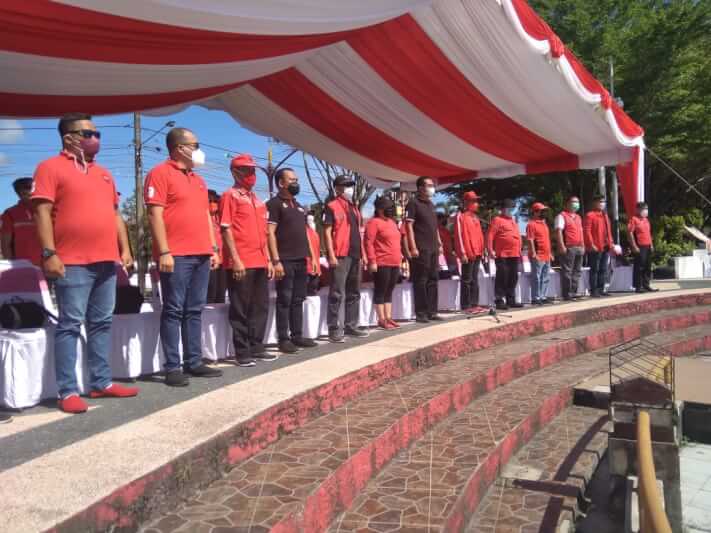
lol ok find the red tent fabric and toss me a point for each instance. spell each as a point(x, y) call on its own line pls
point(394, 89)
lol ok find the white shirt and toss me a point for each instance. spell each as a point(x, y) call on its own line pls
point(559, 222)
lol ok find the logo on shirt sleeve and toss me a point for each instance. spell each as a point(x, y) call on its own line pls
point(151, 192)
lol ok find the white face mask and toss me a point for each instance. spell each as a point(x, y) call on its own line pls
point(603, 205)
point(348, 193)
point(508, 211)
point(198, 157)
point(311, 221)
point(430, 191)
point(644, 213)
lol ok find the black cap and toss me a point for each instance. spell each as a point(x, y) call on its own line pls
point(508, 203)
point(344, 181)
point(383, 202)
point(642, 205)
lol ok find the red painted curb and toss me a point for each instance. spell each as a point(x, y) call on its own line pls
point(156, 492)
point(487, 472)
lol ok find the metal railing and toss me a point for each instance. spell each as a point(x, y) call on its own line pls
point(652, 518)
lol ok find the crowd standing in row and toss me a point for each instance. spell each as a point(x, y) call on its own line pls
point(67, 221)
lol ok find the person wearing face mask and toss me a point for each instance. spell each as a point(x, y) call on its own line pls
point(571, 249)
point(289, 248)
point(217, 285)
point(469, 245)
point(539, 252)
point(640, 236)
point(382, 244)
point(504, 245)
point(424, 246)
point(82, 235)
point(243, 221)
point(314, 270)
point(18, 231)
point(597, 231)
point(342, 224)
point(185, 249)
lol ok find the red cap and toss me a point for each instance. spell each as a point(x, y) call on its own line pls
point(242, 160)
point(470, 196)
point(538, 206)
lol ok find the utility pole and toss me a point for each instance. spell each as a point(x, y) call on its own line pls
point(615, 195)
point(140, 237)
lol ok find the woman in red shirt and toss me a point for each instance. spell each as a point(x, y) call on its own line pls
point(382, 246)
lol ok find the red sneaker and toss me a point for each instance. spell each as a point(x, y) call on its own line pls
point(384, 324)
point(114, 391)
point(72, 404)
point(394, 324)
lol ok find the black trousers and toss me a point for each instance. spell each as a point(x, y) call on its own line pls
point(469, 284)
point(571, 266)
point(506, 279)
point(313, 285)
point(345, 284)
point(425, 278)
point(217, 286)
point(384, 281)
point(249, 305)
point(291, 292)
point(597, 261)
point(642, 273)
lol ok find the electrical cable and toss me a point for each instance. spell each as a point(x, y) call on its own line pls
point(678, 175)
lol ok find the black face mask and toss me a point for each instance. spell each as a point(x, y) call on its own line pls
point(293, 189)
point(389, 212)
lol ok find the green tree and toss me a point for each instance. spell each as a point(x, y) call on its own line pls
point(128, 210)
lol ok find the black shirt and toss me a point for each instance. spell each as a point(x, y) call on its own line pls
point(290, 218)
point(354, 247)
point(425, 227)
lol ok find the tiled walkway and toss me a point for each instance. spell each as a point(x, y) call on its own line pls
point(265, 489)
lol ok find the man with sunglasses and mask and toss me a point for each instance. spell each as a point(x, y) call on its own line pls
point(243, 219)
point(18, 231)
point(185, 249)
point(82, 236)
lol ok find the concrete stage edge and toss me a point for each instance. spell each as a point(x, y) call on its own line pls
point(110, 478)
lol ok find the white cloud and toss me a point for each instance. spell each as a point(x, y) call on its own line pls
point(4, 159)
point(10, 131)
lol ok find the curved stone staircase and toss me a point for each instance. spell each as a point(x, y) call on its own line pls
point(419, 446)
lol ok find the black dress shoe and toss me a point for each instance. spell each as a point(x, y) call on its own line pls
point(246, 362)
point(605, 294)
point(501, 306)
point(287, 347)
point(265, 356)
point(176, 379)
point(355, 332)
point(336, 337)
point(5, 418)
point(204, 371)
point(436, 318)
point(422, 320)
point(516, 305)
point(303, 342)
point(640, 291)
point(650, 289)
point(548, 301)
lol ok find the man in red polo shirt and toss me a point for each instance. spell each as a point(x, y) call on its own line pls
point(243, 218)
point(597, 231)
point(342, 228)
point(469, 245)
point(571, 248)
point(18, 232)
point(81, 230)
point(185, 249)
point(504, 244)
point(539, 252)
point(640, 234)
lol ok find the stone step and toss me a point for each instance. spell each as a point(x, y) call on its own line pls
point(306, 478)
point(542, 488)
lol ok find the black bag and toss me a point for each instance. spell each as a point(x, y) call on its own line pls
point(18, 314)
point(128, 300)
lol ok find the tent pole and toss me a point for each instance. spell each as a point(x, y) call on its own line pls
point(138, 164)
point(615, 202)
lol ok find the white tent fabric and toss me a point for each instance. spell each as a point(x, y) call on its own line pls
point(395, 89)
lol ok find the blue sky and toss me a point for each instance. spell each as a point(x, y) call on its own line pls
point(21, 150)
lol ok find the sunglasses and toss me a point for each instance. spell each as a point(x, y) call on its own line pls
point(195, 145)
point(87, 134)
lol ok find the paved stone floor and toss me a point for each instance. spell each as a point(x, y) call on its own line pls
point(419, 487)
point(562, 455)
point(696, 486)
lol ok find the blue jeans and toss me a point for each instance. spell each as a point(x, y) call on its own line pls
point(85, 293)
point(184, 295)
point(541, 279)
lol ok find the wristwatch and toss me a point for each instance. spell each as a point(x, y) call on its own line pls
point(215, 249)
point(48, 252)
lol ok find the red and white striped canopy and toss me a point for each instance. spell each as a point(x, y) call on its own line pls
point(395, 89)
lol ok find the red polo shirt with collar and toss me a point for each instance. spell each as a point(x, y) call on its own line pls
point(537, 231)
point(84, 208)
point(641, 229)
point(183, 195)
point(504, 237)
point(246, 216)
point(18, 222)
